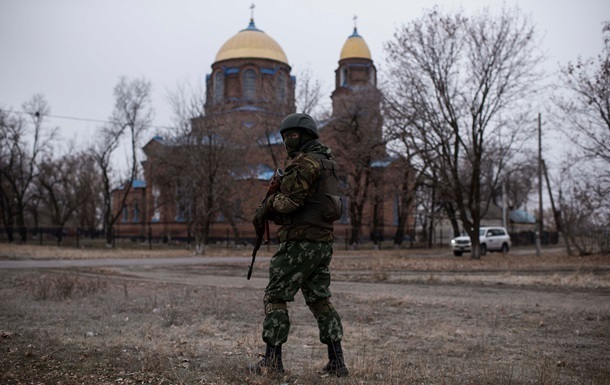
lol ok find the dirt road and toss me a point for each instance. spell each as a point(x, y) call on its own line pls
point(489, 288)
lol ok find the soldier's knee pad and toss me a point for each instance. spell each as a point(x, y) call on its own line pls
point(272, 303)
point(321, 306)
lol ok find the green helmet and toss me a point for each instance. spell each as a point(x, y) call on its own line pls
point(302, 121)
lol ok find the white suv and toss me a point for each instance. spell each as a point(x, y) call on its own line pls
point(490, 238)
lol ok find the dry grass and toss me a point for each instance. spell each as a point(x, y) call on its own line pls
point(30, 251)
point(411, 320)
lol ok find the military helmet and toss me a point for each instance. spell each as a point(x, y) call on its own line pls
point(300, 120)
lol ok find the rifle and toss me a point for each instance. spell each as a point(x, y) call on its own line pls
point(274, 186)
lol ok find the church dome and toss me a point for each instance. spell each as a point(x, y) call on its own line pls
point(355, 48)
point(251, 43)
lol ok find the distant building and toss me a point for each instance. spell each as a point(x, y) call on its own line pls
point(249, 91)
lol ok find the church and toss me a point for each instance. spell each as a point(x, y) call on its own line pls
point(249, 91)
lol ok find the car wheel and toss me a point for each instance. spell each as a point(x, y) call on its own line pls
point(457, 253)
point(504, 248)
point(483, 250)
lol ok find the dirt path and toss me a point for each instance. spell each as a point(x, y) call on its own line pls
point(463, 288)
point(458, 288)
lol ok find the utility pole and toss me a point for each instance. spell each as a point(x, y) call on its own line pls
point(556, 212)
point(540, 224)
point(504, 200)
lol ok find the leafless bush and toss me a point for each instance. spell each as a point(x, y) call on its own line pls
point(65, 287)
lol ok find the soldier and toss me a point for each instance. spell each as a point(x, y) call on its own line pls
point(305, 207)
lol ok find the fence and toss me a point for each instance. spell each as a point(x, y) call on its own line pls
point(77, 237)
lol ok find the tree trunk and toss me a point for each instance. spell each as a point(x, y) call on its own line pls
point(109, 235)
point(60, 235)
point(23, 232)
point(10, 234)
point(452, 218)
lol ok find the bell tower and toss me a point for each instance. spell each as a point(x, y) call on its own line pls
point(356, 71)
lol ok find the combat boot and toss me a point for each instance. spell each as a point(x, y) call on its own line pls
point(270, 363)
point(336, 363)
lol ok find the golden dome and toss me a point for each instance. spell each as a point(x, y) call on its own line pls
point(355, 47)
point(251, 43)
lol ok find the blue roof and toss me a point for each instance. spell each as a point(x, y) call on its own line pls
point(260, 171)
point(270, 138)
point(382, 163)
point(264, 172)
point(138, 183)
point(521, 216)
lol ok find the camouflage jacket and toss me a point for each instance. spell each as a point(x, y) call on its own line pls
point(300, 182)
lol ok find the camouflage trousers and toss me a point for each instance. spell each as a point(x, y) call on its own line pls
point(300, 265)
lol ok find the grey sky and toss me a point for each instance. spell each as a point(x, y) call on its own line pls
point(74, 51)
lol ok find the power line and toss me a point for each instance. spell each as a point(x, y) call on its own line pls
point(76, 118)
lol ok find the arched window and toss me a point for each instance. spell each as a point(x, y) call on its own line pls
point(157, 212)
point(249, 86)
point(281, 87)
point(136, 212)
point(343, 77)
point(219, 89)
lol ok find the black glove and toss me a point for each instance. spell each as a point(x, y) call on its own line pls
point(259, 220)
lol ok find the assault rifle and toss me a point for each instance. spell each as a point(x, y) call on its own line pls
point(274, 186)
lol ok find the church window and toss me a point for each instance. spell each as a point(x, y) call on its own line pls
point(156, 211)
point(249, 84)
point(343, 77)
point(136, 213)
point(125, 214)
point(281, 87)
point(218, 86)
point(183, 204)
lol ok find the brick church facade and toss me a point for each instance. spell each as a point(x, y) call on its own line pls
point(249, 91)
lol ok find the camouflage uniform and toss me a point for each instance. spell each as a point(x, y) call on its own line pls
point(305, 212)
point(303, 259)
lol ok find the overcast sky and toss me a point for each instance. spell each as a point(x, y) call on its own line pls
point(74, 51)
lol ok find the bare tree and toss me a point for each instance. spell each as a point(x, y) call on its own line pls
point(583, 105)
point(308, 93)
point(461, 85)
point(90, 197)
point(356, 125)
point(22, 151)
point(520, 179)
point(131, 116)
point(585, 108)
point(584, 211)
point(60, 185)
point(411, 174)
point(200, 165)
point(9, 132)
